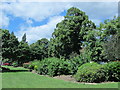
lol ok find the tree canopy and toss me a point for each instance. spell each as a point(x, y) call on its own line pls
point(74, 36)
point(69, 33)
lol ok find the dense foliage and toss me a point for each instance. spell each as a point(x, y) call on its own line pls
point(93, 72)
point(90, 72)
point(9, 46)
point(69, 33)
point(110, 37)
point(33, 64)
point(53, 66)
point(112, 70)
point(17, 53)
point(113, 52)
point(39, 50)
point(75, 63)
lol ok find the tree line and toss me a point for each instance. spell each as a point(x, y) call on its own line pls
point(74, 36)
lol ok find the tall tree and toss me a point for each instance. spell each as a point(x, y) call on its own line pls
point(24, 38)
point(23, 53)
point(95, 40)
point(93, 46)
point(9, 45)
point(13, 45)
point(68, 35)
point(5, 44)
point(43, 43)
point(1, 45)
point(112, 44)
point(112, 48)
point(39, 50)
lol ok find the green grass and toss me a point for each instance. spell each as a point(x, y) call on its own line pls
point(31, 80)
point(15, 68)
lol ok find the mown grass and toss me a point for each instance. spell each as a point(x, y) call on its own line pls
point(15, 68)
point(31, 80)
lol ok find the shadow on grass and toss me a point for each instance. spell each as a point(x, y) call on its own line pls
point(8, 70)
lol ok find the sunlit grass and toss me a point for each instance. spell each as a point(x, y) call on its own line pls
point(32, 80)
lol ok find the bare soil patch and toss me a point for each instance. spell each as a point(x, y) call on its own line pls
point(65, 77)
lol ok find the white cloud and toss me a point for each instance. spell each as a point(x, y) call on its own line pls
point(61, 0)
point(36, 11)
point(8, 1)
point(29, 22)
point(36, 33)
point(4, 20)
point(39, 11)
point(98, 10)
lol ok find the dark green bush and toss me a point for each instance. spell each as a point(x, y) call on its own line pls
point(75, 63)
point(90, 72)
point(5, 69)
point(112, 70)
point(53, 66)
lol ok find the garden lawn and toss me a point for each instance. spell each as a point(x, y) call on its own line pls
point(31, 80)
point(15, 68)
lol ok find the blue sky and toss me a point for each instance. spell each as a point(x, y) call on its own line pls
point(38, 19)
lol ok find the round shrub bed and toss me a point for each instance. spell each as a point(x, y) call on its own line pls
point(90, 72)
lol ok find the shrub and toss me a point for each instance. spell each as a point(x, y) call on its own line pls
point(53, 66)
point(5, 69)
point(112, 70)
point(15, 64)
point(35, 67)
point(90, 72)
point(75, 63)
point(33, 64)
point(26, 65)
point(5, 60)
